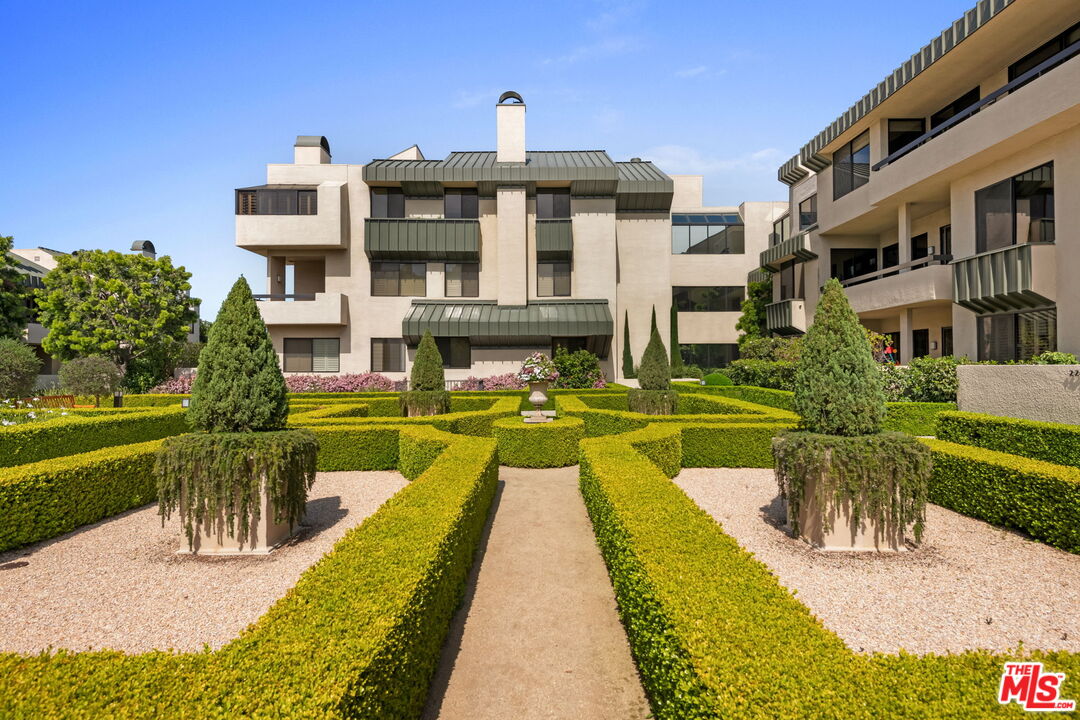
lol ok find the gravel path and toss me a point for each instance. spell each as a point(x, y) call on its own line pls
point(538, 635)
point(119, 584)
point(970, 584)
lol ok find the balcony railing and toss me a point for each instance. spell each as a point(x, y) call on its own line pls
point(419, 239)
point(304, 308)
point(281, 297)
point(1017, 277)
point(894, 269)
point(759, 275)
point(787, 317)
point(1049, 64)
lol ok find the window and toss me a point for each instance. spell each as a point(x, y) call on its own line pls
point(849, 263)
point(920, 343)
point(707, 234)
point(708, 299)
point(1044, 53)
point(903, 132)
point(954, 108)
point(1020, 209)
point(462, 280)
point(456, 351)
point(387, 203)
point(710, 356)
point(791, 277)
point(553, 279)
point(552, 204)
point(387, 355)
point(570, 344)
point(311, 354)
point(808, 212)
point(1018, 336)
point(781, 231)
point(393, 279)
point(945, 240)
point(890, 257)
point(851, 166)
point(920, 246)
point(277, 201)
point(461, 203)
point(946, 341)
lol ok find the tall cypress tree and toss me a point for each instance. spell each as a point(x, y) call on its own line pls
point(652, 326)
point(627, 356)
point(239, 386)
point(427, 370)
point(676, 354)
point(654, 372)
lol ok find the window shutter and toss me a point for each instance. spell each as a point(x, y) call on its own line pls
point(324, 355)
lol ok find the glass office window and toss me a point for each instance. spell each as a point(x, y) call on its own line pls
point(462, 280)
point(954, 108)
point(781, 231)
point(791, 275)
point(709, 355)
point(707, 234)
point(852, 262)
point(904, 131)
point(808, 212)
point(1020, 209)
point(1017, 336)
point(1043, 53)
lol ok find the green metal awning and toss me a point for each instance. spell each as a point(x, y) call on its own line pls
point(422, 239)
point(488, 323)
point(554, 240)
point(643, 188)
point(796, 247)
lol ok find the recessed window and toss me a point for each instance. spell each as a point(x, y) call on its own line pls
point(945, 240)
point(808, 212)
point(277, 201)
point(946, 342)
point(709, 355)
point(905, 131)
point(851, 166)
point(1020, 209)
point(553, 279)
point(791, 280)
point(707, 235)
point(462, 280)
point(461, 203)
point(552, 203)
point(920, 343)
point(1019, 336)
point(393, 279)
point(1044, 53)
point(781, 231)
point(708, 299)
point(920, 246)
point(387, 355)
point(456, 351)
point(847, 263)
point(387, 203)
point(311, 355)
point(954, 108)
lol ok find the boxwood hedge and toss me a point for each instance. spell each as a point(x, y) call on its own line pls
point(1052, 442)
point(538, 445)
point(612, 422)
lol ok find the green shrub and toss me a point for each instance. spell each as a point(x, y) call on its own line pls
point(717, 379)
point(628, 369)
point(783, 349)
point(538, 445)
point(1054, 358)
point(577, 370)
point(1051, 442)
point(1040, 498)
point(693, 371)
point(239, 386)
point(775, 374)
point(933, 379)
point(427, 393)
point(737, 445)
point(19, 368)
point(95, 376)
point(351, 447)
point(654, 373)
point(652, 402)
point(914, 418)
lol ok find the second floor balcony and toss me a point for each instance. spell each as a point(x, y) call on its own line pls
point(422, 239)
point(787, 317)
point(304, 309)
point(920, 281)
point(275, 217)
point(1017, 277)
point(796, 247)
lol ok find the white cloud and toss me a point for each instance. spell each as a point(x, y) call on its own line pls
point(691, 72)
point(680, 159)
point(605, 47)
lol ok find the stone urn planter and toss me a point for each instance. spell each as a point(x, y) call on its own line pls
point(538, 397)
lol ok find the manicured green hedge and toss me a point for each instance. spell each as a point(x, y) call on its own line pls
point(1053, 442)
point(1038, 497)
point(715, 635)
point(475, 422)
point(358, 636)
point(76, 434)
point(538, 445)
point(914, 418)
point(356, 447)
point(739, 445)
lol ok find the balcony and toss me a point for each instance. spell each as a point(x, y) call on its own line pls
point(759, 275)
point(326, 229)
point(796, 247)
point(787, 317)
point(1017, 277)
point(918, 282)
point(304, 309)
point(422, 239)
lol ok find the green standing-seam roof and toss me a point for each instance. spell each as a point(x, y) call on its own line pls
point(643, 188)
point(488, 323)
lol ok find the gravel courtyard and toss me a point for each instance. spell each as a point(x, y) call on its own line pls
point(970, 585)
point(118, 584)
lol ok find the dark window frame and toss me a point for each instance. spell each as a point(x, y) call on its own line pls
point(387, 203)
point(379, 265)
point(808, 216)
point(400, 353)
point(557, 279)
point(287, 355)
point(1011, 326)
point(847, 164)
point(452, 350)
point(955, 107)
point(470, 286)
point(899, 139)
point(722, 298)
point(553, 203)
point(985, 197)
point(277, 201)
point(461, 204)
point(709, 355)
point(1043, 53)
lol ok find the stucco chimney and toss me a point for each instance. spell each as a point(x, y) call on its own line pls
point(510, 122)
point(311, 150)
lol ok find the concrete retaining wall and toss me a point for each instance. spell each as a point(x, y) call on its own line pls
point(1050, 393)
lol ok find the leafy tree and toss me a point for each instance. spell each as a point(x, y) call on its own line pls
point(13, 294)
point(19, 367)
point(93, 375)
point(427, 370)
point(654, 373)
point(239, 386)
point(676, 353)
point(837, 385)
point(752, 322)
point(115, 305)
point(627, 355)
point(578, 369)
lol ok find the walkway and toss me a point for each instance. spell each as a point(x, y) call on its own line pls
point(538, 635)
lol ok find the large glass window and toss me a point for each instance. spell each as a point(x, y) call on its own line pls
point(890, 257)
point(387, 202)
point(552, 203)
point(708, 299)
point(920, 246)
point(462, 280)
point(851, 166)
point(553, 279)
point(848, 263)
point(461, 203)
point(1044, 53)
point(781, 231)
point(707, 234)
point(456, 351)
point(920, 343)
point(791, 280)
point(808, 212)
point(904, 131)
point(394, 279)
point(277, 201)
point(387, 355)
point(709, 355)
point(1020, 209)
point(954, 108)
point(1018, 336)
point(311, 354)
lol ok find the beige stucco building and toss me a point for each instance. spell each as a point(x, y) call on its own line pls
point(497, 253)
point(947, 200)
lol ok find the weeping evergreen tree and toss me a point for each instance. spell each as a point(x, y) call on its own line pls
point(627, 355)
point(427, 393)
point(240, 455)
point(881, 476)
point(655, 395)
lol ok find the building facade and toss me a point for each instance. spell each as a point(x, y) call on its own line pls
point(497, 253)
point(947, 200)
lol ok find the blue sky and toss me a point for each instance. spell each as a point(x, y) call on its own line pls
point(127, 121)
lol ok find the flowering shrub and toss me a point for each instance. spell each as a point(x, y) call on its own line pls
point(538, 367)
point(506, 381)
point(174, 386)
point(580, 369)
point(353, 382)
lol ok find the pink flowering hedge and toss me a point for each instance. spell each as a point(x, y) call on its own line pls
point(352, 382)
point(507, 381)
point(174, 386)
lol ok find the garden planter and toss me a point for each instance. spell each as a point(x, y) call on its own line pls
point(538, 397)
point(844, 534)
point(263, 535)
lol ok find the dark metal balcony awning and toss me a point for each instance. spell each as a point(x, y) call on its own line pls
point(796, 247)
point(554, 240)
point(487, 323)
point(998, 281)
point(414, 240)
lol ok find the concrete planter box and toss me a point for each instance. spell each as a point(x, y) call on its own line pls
point(845, 535)
point(263, 536)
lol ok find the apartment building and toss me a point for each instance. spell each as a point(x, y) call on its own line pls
point(947, 199)
point(498, 253)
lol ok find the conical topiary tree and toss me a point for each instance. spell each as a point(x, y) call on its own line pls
point(655, 395)
point(652, 323)
point(676, 353)
point(427, 393)
point(627, 354)
point(838, 388)
point(239, 386)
